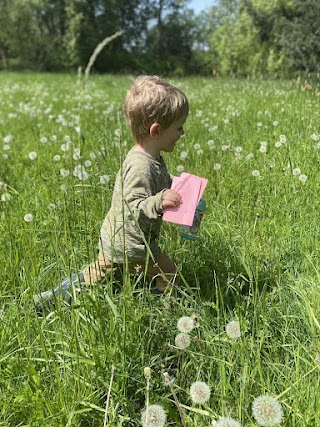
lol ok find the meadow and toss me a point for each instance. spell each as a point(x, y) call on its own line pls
point(250, 283)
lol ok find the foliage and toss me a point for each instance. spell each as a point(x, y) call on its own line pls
point(232, 37)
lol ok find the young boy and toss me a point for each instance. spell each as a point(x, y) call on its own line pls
point(156, 112)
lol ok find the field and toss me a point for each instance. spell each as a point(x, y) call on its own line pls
point(251, 282)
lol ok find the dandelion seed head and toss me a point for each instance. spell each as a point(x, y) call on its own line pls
point(303, 178)
point(185, 324)
point(7, 139)
point(182, 341)
point(216, 166)
point(267, 411)
point(64, 172)
point(28, 217)
point(255, 173)
point(5, 197)
point(227, 422)
point(278, 144)
point(296, 171)
point(233, 329)
point(154, 416)
point(180, 168)
point(200, 392)
point(283, 139)
point(183, 155)
point(43, 140)
point(104, 179)
point(76, 154)
point(32, 155)
point(56, 158)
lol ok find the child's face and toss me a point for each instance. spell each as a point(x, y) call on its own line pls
point(168, 137)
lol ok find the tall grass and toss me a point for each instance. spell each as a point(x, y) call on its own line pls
point(256, 261)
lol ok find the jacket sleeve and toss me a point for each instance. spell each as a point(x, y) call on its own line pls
point(138, 193)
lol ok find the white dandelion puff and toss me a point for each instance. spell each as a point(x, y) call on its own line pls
point(267, 411)
point(233, 329)
point(28, 217)
point(104, 179)
point(57, 158)
point(303, 178)
point(182, 341)
point(64, 172)
point(180, 168)
point(32, 155)
point(185, 324)
point(154, 416)
point(7, 139)
point(76, 154)
point(87, 163)
point(296, 171)
point(5, 197)
point(200, 392)
point(197, 146)
point(255, 173)
point(227, 422)
point(183, 155)
point(263, 149)
point(275, 123)
point(283, 139)
point(216, 166)
point(278, 144)
point(43, 140)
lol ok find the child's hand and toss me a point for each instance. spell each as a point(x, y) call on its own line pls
point(170, 199)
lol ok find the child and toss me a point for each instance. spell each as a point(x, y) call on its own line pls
point(156, 112)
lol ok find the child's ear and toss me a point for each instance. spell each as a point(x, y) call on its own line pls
point(154, 129)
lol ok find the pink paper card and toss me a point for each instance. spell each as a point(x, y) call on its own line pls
point(191, 188)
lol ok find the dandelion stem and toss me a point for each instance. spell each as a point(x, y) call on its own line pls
point(108, 397)
point(168, 381)
point(147, 375)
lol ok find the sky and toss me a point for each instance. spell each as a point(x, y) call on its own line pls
point(198, 5)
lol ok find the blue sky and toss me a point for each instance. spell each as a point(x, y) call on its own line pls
point(198, 5)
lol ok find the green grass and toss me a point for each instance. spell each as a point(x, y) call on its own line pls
point(256, 261)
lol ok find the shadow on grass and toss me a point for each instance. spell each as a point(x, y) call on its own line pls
point(219, 270)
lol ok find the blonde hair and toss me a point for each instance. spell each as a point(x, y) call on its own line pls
point(153, 100)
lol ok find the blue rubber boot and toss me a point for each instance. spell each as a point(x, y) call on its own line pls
point(63, 290)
